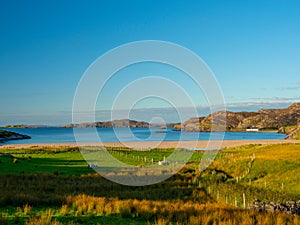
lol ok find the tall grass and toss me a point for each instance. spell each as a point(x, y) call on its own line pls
point(47, 189)
point(175, 212)
point(92, 209)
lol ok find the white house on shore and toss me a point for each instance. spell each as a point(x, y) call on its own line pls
point(252, 129)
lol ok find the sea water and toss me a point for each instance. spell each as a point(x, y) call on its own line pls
point(66, 135)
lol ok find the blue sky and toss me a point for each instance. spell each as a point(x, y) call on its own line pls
point(253, 48)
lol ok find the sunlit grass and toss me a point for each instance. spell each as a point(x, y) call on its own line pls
point(55, 186)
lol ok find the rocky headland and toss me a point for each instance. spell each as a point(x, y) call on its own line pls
point(8, 135)
point(286, 120)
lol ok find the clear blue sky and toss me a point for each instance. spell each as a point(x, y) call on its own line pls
point(253, 48)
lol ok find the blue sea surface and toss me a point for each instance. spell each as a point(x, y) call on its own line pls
point(66, 135)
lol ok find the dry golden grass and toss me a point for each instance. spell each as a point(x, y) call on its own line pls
point(175, 212)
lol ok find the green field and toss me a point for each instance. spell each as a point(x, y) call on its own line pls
point(55, 186)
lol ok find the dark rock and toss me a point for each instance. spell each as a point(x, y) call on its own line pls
point(7, 136)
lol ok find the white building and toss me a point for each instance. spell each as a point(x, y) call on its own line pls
point(252, 129)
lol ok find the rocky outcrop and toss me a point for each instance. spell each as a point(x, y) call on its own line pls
point(218, 121)
point(292, 133)
point(109, 124)
point(191, 125)
point(7, 136)
point(177, 126)
point(291, 207)
point(263, 119)
point(275, 118)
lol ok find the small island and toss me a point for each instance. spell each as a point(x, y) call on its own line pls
point(110, 124)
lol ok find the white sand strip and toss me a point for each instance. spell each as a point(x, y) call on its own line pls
point(165, 144)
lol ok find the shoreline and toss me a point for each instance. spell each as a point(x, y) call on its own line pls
point(166, 144)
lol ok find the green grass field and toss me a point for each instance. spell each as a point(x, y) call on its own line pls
point(34, 160)
point(55, 186)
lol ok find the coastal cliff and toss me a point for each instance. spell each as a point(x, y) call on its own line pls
point(264, 119)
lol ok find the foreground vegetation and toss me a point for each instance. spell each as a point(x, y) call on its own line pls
point(56, 186)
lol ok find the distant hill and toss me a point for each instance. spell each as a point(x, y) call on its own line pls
point(24, 126)
point(264, 119)
point(108, 124)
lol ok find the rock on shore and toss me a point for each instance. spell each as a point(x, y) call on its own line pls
point(292, 133)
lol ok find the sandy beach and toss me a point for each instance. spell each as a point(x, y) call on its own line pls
point(168, 144)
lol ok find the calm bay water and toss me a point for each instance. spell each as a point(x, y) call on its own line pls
point(64, 135)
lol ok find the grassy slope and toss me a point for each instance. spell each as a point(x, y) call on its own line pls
point(297, 137)
point(69, 161)
point(272, 165)
point(254, 165)
point(64, 161)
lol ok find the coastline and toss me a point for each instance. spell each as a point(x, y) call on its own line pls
point(9, 136)
point(165, 144)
